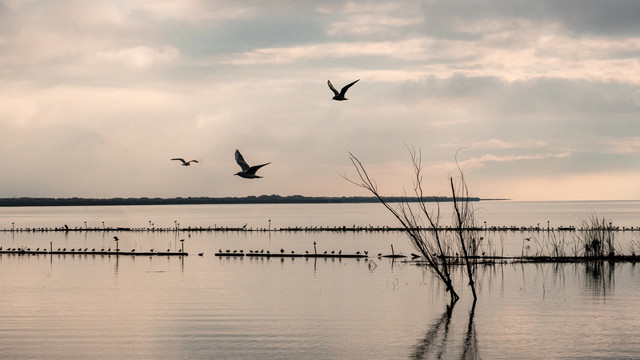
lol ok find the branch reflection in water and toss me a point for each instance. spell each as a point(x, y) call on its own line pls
point(470, 345)
point(600, 277)
point(435, 343)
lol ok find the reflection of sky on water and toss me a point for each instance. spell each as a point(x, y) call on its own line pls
point(495, 213)
point(158, 307)
point(210, 307)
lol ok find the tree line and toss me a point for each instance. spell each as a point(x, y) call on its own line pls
point(262, 199)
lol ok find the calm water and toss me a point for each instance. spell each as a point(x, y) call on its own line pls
point(86, 306)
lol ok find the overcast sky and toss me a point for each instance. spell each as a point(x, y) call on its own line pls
point(541, 97)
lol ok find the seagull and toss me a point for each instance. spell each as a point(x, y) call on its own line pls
point(248, 172)
point(339, 96)
point(185, 163)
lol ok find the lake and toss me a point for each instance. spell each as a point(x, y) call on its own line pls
point(158, 307)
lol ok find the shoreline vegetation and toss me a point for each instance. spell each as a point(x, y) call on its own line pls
point(464, 243)
point(262, 199)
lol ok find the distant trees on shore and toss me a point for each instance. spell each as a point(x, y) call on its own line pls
point(262, 199)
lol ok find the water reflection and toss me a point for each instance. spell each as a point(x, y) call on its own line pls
point(600, 277)
point(436, 341)
point(559, 285)
point(470, 343)
point(322, 308)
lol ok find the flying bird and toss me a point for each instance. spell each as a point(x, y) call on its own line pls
point(185, 163)
point(339, 96)
point(248, 172)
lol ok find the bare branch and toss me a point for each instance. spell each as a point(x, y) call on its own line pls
point(428, 244)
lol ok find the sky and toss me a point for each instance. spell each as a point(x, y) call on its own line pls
point(536, 100)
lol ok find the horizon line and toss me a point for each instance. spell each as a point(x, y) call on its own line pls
point(251, 199)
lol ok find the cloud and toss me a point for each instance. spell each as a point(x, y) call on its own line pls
point(124, 86)
point(591, 17)
point(140, 56)
point(493, 144)
point(621, 146)
point(485, 160)
point(407, 50)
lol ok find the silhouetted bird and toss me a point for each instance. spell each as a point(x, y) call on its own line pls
point(201, 254)
point(185, 163)
point(248, 172)
point(339, 96)
point(282, 251)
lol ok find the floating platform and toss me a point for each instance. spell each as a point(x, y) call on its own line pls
point(290, 255)
point(396, 256)
point(114, 253)
point(307, 229)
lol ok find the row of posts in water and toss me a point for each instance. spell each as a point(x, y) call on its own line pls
point(21, 250)
point(353, 228)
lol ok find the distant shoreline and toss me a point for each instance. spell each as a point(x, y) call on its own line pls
point(262, 199)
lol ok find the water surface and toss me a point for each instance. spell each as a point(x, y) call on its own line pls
point(108, 307)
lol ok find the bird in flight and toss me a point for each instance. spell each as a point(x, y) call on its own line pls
point(248, 172)
point(339, 96)
point(185, 163)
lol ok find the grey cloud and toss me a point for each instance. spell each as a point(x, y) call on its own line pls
point(540, 95)
point(617, 17)
point(578, 163)
point(573, 116)
point(236, 36)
